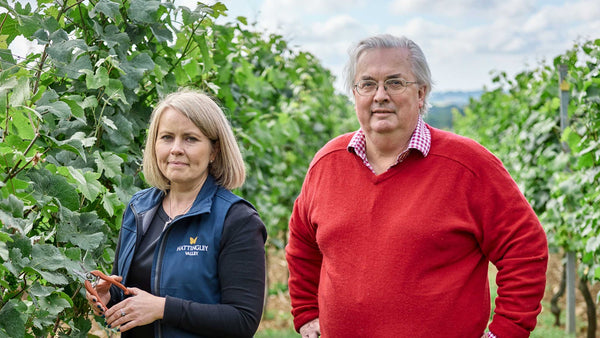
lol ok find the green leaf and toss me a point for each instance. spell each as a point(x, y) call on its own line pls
point(38, 290)
point(75, 103)
point(161, 32)
point(106, 7)
point(87, 241)
point(143, 11)
point(16, 261)
point(585, 161)
point(3, 251)
point(142, 61)
point(113, 37)
point(13, 205)
point(63, 49)
point(45, 185)
point(8, 85)
point(108, 163)
point(20, 93)
point(135, 69)
point(4, 239)
point(10, 28)
point(219, 9)
point(97, 80)
point(29, 24)
point(114, 91)
point(593, 244)
point(47, 257)
point(54, 277)
point(85, 230)
point(110, 202)
point(206, 57)
point(87, 183)
point(10, 222)
point(59, 109)
point(571, 138)
point(22, 125)
point(13, 317)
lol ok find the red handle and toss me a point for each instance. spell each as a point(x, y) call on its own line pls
point(99, 274)
point(92, 291)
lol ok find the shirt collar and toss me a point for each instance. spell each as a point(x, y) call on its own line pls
point(420, 140)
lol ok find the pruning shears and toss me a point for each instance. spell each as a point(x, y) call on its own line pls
point(91, 279)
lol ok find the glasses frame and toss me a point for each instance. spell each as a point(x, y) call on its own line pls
point(404, 85)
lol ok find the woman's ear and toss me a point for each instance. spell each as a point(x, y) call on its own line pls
point(215, 151)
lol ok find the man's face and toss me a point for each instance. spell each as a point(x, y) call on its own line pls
point(384, 113)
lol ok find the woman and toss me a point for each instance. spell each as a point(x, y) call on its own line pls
point(190, 251)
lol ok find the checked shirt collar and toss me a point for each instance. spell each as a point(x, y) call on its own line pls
point(420, 140)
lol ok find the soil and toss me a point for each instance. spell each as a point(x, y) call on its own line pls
point(553, 279)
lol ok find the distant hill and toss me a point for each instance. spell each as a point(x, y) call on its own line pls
point(447, 98)
point(442, 104)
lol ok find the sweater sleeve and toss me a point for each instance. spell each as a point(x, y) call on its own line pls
point(515, 242)
point(242, 278)
point(304, 263)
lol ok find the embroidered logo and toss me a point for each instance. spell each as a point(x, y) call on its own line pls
point(192, 249)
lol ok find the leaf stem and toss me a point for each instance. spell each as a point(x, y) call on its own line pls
point(16, 170)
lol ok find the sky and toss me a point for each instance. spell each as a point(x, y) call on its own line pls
point(465, 41)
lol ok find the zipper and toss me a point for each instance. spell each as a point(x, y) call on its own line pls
point(159, 260)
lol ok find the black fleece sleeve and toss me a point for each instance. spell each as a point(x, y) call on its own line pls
point(242, 277)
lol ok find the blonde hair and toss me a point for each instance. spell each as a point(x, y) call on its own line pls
point(228, 166)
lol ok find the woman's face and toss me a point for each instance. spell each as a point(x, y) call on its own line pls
point(183, 152)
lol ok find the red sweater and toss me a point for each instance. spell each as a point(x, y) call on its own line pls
point(406, 253)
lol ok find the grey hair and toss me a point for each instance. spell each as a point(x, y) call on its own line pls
point(419, 65)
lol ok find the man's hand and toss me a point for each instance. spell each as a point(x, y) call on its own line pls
point(311, 329)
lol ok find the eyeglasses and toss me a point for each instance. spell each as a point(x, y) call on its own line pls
point(391, 86)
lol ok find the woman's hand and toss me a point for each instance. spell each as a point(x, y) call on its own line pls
point(140, 309)
point(103, 290)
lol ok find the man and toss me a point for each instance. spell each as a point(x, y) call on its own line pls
point(396, 223)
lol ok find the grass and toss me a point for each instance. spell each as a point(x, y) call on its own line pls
point(273, 333)
point(545, 326)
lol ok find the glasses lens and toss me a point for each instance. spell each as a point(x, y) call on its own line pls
point(395, 85)
point(366, 87)
point(392, 86)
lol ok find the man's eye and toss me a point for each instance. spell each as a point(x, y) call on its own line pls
point(365, 85)
point(395, 83)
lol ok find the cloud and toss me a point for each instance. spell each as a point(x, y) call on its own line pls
point(464, 40)
point(462, 8)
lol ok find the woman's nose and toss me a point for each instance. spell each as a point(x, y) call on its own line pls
point(177, 147)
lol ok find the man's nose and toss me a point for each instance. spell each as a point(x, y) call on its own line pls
point(381, 93)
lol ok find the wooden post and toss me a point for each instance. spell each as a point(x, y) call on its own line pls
point(570, 264)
